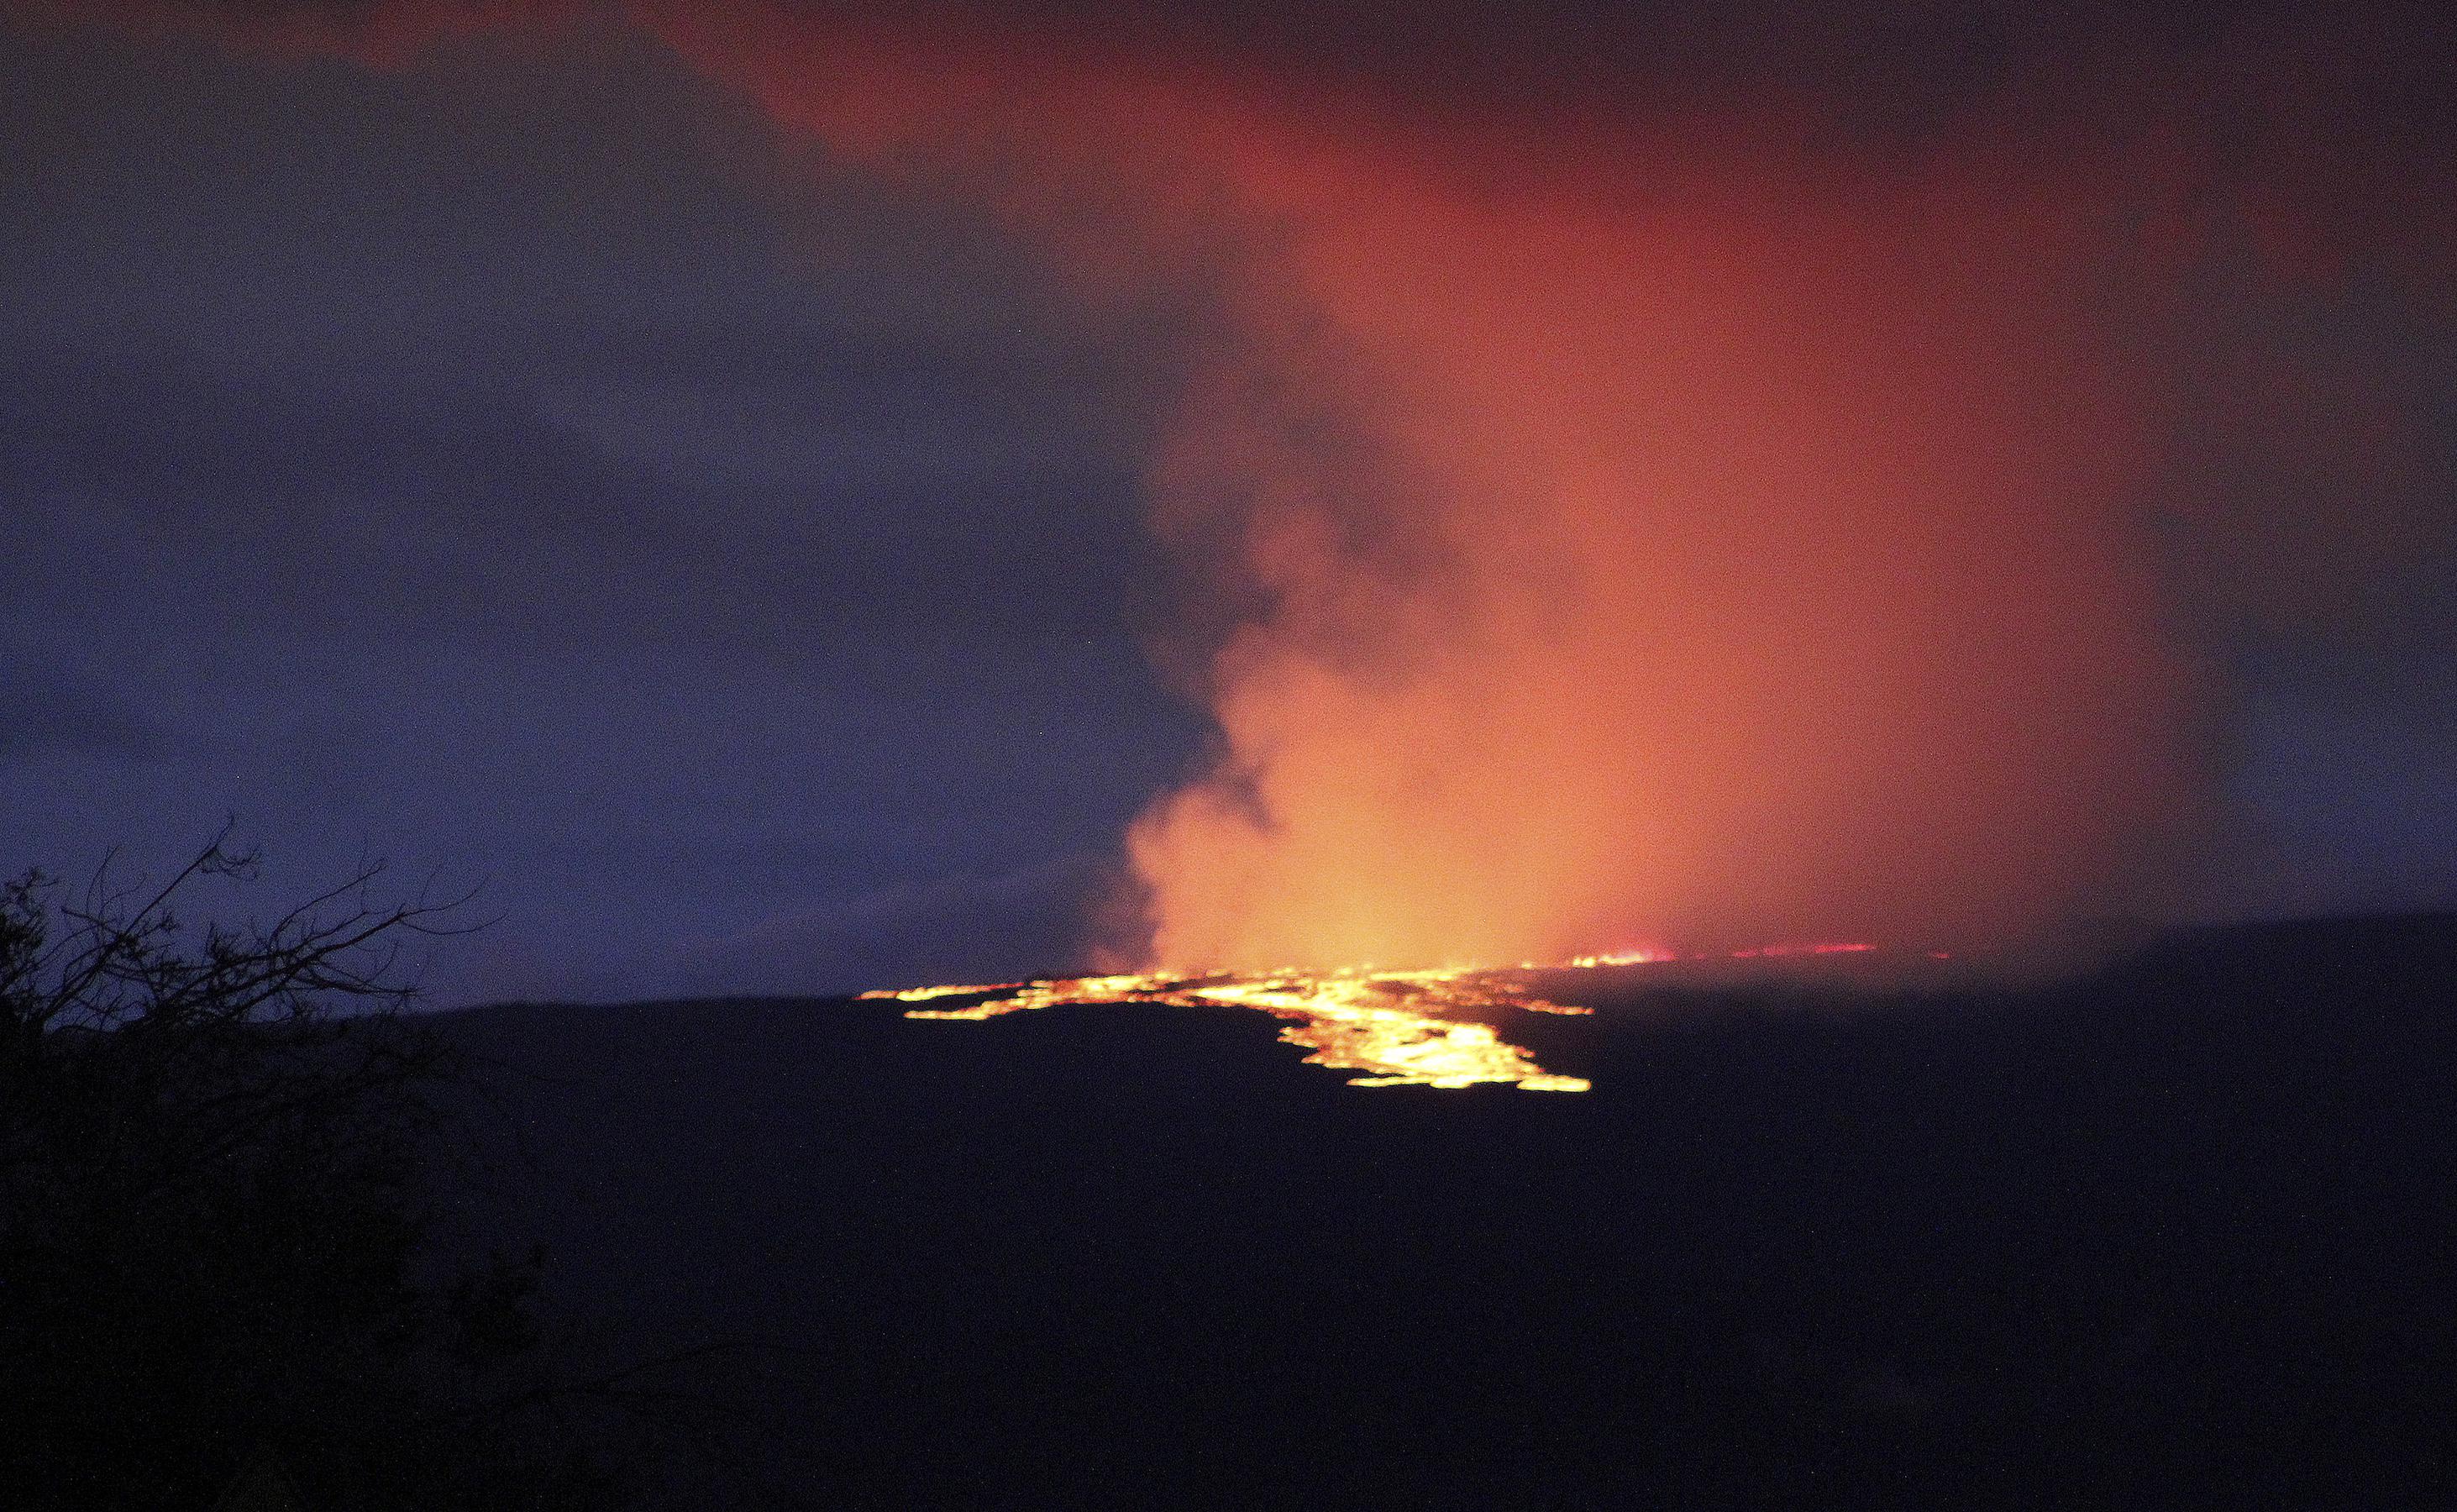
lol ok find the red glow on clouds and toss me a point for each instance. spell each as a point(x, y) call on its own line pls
point(1677, 527)
point(1657, 541)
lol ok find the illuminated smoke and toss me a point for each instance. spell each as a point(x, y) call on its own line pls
point(1645, 541)
point(1694, 524)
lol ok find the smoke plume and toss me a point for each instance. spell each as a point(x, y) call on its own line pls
point(1703, 484)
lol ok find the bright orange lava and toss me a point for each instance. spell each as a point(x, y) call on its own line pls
point(1395, 1026)
point(1401, 1028)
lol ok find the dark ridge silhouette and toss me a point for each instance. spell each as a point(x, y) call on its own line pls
point(2179, 1232)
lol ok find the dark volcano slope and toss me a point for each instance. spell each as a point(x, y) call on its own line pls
point(2179, 1233)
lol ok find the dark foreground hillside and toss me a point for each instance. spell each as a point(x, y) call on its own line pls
point(2180, 1234)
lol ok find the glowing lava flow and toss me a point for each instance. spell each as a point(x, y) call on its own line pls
point(1402, 1028)
point(1393, 1025)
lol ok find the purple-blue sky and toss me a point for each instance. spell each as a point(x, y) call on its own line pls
point(527, 464)
point(524, 469)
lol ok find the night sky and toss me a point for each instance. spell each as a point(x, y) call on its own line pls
point(521, 450)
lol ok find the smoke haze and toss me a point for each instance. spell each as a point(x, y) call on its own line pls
point(1653, 527)
point(1692, 484)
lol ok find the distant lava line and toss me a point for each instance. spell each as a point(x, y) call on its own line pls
point(1400, 1028)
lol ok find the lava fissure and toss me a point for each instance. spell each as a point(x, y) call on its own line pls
point(1399, 1028)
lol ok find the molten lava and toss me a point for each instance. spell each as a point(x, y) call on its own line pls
point(1402, 1028)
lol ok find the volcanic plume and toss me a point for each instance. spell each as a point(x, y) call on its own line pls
point(1692, 485)
point(1627, 533)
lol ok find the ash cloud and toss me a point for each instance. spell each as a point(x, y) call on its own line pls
point(1704, 511)
point(1664, 474)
